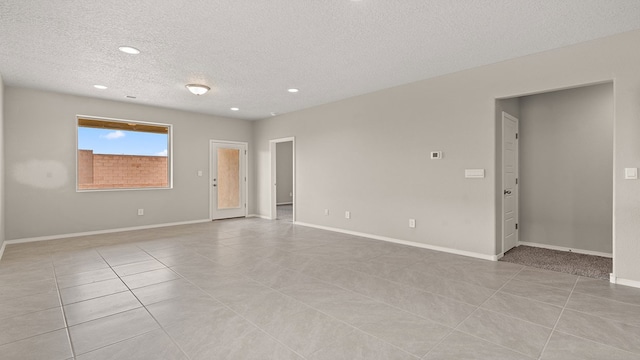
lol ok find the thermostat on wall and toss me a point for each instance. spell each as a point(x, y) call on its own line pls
point(436, 155)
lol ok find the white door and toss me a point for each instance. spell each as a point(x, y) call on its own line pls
point(509, 182)
point(228, 180)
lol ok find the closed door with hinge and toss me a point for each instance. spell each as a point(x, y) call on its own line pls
point(228, 180)
point(509, 182)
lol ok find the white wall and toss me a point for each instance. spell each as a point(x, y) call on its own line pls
point(40, 130)
point(566, 162)
point(369, 154)
point(284, 172)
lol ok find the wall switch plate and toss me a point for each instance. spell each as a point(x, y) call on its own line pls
point(140, 212)
point(326, 211)
point(199, 172)
point(631, 173)
point(474, 173)
point(412, 223)
point(436, 155)
point(347, 214)
point(290, 194)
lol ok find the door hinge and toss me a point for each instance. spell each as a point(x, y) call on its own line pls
point(245, 206)
point(516, 226)
point(245, 152)
point(516, 181)
point(516, 135)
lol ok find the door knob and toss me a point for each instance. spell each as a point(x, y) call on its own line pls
point(507, 192)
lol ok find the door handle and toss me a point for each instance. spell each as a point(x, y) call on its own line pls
point(507, 192)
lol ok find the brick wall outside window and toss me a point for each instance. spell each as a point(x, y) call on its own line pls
point(100, 171)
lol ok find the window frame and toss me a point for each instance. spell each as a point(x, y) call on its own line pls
point(169, 152)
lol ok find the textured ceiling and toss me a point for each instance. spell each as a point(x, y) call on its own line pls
point(250, 52)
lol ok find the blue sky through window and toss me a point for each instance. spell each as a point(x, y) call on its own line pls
point(121, 142)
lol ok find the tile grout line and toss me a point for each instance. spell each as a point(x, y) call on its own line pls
point(142, 306)
point(558, 319)
point(304, 304)
point(64, 314)
point(238, 314)
point(145, 307)
point(474, 311)
point(340, 320)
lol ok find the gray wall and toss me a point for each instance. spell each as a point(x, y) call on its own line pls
point(284, 172)
point(566, 165)
point(41, 138)
point(2, 172)
point(370, 154)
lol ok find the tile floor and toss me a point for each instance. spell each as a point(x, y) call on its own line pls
point(258, 289)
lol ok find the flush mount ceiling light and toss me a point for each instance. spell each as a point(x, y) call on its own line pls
point(293, 90)
point(235, 109)
point(129, 50)
point(198, 89)
point(274, 113)
point(100, 87)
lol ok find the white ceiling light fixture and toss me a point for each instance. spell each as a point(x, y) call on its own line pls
point(293, 90)
point(100, 87)
point(198, 89)
point(235, 109)
point(129, 50)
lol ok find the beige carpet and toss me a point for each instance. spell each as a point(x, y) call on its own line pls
point(285, 212)
point(567, 262)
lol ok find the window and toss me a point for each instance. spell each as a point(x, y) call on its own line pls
point(123, 154)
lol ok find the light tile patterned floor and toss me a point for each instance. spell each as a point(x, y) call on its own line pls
point(258, 289)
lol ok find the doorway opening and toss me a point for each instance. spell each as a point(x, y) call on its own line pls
point(283, 179)
point(227, 179)
point(564, 179)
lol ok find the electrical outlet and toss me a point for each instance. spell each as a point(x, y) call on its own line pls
point(347, 214)
point(140, 212)
point(326, 211)
point(412, 223)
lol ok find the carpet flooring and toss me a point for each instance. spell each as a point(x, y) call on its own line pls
point(596, 267)
point(285, 212)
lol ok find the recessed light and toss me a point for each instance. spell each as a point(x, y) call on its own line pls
point(274, 113)
point(235, 109)
point(293, 90)
point(100, 87)
point(129, 50)
point(198, 89)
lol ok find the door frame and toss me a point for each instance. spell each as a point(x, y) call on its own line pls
point(211, 171)
point(516, 196)
point(273, 212)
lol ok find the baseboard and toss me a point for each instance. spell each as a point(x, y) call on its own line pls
point(560, 248)
point(285, 203)
point(99, 232)
point(259, 216)
point(625, 282)
point(403, 242)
